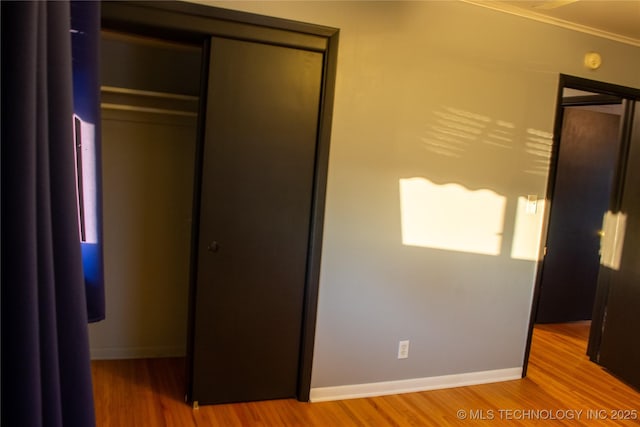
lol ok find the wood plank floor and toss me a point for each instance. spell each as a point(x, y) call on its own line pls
point(562, 389)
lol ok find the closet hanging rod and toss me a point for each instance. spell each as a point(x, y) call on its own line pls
point(128, 91)
point(122, 107)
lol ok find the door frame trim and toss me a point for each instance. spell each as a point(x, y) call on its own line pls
point(195, 24)
point(602, 88)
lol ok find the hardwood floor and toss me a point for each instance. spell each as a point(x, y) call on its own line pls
point(562, 388)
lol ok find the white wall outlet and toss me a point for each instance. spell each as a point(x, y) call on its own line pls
point(403, 349)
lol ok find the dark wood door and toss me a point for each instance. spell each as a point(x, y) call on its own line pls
point(620, 345)
point(255, 212)
point(589, 147)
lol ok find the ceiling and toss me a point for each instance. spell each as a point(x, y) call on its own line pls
point(614, 19)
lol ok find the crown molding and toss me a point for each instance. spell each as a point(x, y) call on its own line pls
point(529, 14)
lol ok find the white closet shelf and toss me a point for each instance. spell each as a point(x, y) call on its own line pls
point(145, 101)
point(149, 93)
point(123, 107)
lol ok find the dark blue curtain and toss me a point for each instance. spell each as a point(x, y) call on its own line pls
point(46, 376)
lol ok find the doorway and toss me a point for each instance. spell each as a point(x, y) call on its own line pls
point(588, 151)
point(592, 103)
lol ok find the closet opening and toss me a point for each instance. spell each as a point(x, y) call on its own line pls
point(150, 98)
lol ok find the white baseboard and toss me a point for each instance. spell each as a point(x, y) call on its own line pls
point(323, 394)
point(108, 353)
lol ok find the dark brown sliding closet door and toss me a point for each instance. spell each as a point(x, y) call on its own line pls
point(255, 214)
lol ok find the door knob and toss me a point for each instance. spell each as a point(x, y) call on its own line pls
point(213, 246)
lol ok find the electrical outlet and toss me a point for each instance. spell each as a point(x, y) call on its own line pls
point(403, 349)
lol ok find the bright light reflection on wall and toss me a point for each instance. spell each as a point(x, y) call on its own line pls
point(612, 239)
point(451, 217)
point(528, 230)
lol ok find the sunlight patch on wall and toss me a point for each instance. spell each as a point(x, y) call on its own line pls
point(612, 239)
point(501, 135)
point(451, 217)
point(528, 230)
point(457, 133)
point(539, 145)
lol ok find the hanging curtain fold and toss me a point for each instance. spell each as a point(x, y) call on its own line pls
point(85, 47)
point(46, 376)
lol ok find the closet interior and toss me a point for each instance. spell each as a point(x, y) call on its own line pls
point(149, 100)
